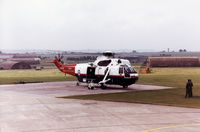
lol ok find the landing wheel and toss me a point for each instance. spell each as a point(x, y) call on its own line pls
point(77, 83)
point(91, 86)
point(103, 86)
point(125, 86)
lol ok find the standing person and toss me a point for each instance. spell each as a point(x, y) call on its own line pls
point(79, 78)
point(189, 86)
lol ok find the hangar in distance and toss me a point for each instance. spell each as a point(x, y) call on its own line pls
point(173, 61)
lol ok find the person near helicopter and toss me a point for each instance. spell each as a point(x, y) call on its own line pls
point(189, 86)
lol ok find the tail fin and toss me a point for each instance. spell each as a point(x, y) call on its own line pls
point(58, 64)
point(67, 69)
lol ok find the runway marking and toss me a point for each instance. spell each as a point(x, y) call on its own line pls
point(166, 127)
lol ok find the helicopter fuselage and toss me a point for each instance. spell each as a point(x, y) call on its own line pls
point(104, 70)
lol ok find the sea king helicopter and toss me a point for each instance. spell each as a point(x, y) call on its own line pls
point(105, 70)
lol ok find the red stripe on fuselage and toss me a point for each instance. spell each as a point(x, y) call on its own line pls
point(104, 75)
point(69, 69)
point(109, 75)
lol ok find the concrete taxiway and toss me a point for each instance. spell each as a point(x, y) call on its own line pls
point(34, 108)
point(68, 88)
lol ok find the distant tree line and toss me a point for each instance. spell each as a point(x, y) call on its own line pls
point(182, 50)
point(138, 59)
point(82, 58)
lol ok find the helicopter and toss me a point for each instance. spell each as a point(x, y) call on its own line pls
point(105, 70)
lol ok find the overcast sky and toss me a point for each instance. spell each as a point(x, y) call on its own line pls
point(100, 24)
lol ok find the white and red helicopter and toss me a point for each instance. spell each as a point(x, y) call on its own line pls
point(105, 70)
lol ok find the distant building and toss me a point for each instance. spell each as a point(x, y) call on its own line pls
point(26, 56)
point(165, 54)
point(30, 61)
point(8, 65)
point(173, 61)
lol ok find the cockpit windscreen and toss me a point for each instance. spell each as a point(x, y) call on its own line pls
point(129, 69)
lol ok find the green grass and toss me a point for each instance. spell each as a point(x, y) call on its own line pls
point(45, 75)
point(173, 77)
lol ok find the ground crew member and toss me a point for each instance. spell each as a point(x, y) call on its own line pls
point(189, 86)
point(79, 78)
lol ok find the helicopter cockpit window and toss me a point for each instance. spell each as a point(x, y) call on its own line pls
point(104, 63)
point(119, 61)
point(132, 70)
point(129, 69)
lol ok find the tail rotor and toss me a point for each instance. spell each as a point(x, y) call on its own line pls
point(60, 58)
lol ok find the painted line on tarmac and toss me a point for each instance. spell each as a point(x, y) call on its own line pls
point(166, 127)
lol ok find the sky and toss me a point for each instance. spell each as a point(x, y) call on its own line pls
point(100, 24)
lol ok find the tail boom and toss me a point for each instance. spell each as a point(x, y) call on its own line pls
point(67, 69)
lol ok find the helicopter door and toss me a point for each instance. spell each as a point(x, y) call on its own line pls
point(90, 72)
point(127, 75)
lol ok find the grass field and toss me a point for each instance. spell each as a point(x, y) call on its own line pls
point(45, 75)
point(174, 77)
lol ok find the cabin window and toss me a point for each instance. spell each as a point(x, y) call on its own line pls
point(119, 61)
point(120, 70)
point(104, 63)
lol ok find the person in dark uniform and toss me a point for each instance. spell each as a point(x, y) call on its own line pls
point(189, 86)
point(79, 78)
